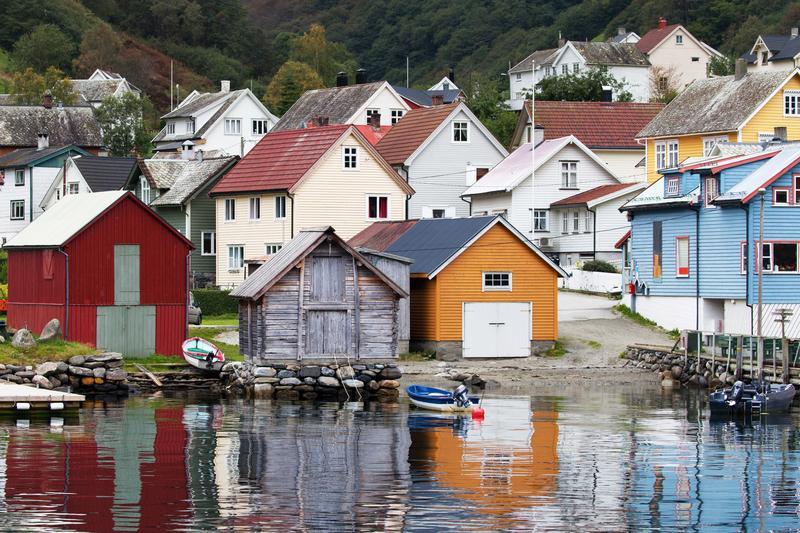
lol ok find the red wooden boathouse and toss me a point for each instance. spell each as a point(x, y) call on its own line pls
point(110, 269)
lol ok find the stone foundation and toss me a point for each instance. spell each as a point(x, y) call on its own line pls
point(453, 350)
point(84, 374)
point(294, 381)
point(675, 369)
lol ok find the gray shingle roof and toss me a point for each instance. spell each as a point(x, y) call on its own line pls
point(782, 46)
point(539, 55)
point(194, 106)
point(611, 53)
point(336, 103)
point(191, 176)
point(96, 90)
point(105, 173)
point(161, 173)
point(716, 104)
point(201, 102)
point(20, 125)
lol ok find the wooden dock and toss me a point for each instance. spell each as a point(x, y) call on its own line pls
point(23, 398)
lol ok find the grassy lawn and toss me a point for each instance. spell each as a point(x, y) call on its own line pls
point(43, 351)
point(230, 319)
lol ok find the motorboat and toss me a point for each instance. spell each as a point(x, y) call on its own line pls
point(203, 354)
point(751, 399)
point(433, 399)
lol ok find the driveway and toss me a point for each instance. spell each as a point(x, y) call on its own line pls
point(575, 306)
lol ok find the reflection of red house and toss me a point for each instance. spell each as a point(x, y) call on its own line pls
point(111, 270)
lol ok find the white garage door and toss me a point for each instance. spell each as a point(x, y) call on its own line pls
point(497, 329)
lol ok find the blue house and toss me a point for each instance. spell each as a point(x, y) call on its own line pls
point(693, 253)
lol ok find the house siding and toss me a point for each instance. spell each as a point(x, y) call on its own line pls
point(688, 146)
point(424, 305)
point(771, 116)
point(203, 218)
point(176, 217)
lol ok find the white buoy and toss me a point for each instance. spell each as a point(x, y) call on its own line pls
point(56, 406)
point(23, 406)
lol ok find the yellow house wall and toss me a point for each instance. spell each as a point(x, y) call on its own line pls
point(688, 146)
point(771, 116)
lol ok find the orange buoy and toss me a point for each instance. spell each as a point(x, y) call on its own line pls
point(478, 413)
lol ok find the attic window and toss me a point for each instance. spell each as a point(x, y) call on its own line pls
point(695, 59)
point(764, 57)
point(397, 114)
point(673, 186)
point(679, 39)
point(518, 76)
point(791, 103)
point(460, 132)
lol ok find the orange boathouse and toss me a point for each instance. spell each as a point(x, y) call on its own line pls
point(479, 288)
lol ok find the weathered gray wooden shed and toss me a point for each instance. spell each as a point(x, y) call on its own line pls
point(318, 298)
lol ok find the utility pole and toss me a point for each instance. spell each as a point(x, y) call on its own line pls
point(761, 288)
point(407, 76)
point(171, 108)
point(784, 316)
point(533, 147)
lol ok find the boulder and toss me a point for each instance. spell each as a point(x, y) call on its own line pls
point(374, 385)
point(328, 372)
point(23, 339)
point(51, 330)
point(310, 381)
point(13, 378)
point(26, 374)
point(230, 366)
point(327, 381)
point(116, 374)
point(346, 372)
point(99, 372)
point(365, 378)
point(668, 383)
point(304, 388)
point(353, 383)
point(389, 384)
point(286, 374)
point(290, 380)
point(80, 371)
point(262, 391)
point(261, 381)
point(310, 372)
point(105, 357)
point(93, 364)
point(47, 369)
point(115, 364)
point(77, 360)
point(87, 380)
point(55, 382)
point(391, 373)
point(677, 371)
point(99, 381)
point(42, 382)
point(265, 372)
point(359, 368)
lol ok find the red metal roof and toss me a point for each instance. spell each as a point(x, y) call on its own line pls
point(279, 160)
point(412, 130)
point(379, 236)
point(596, 124)
point(622, 240)
point(652, 38)
point(591, 194)
point(371, 134)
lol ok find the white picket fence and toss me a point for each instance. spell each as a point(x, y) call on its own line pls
point(600, 282)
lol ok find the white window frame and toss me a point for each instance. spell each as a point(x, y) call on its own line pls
point(708, 195)
point(541, 218)
point(459, 126)
point(678, 259)
point(667, 153)
point(233, 264)
point(710, 142)
point(791, 103)
point(233, 126)
point(378, 206)
point(17, 205)
point(77, 186)
point(769, 256)
point(372, 111)
point(673, 187)
point(189, 125)
point(17, 181)
point(565, 222)
point(564, 69)
point(259, 126)
point(144, 188)
point(518, 76)
point(397, 114)
point(673, 151)
point(796, 257)
point(576, 68)
point(203, 250)
point(505, 286)
point(785, 190)
point(280, 207)
point(272, 248)
point(743, 259)
point(576, 222)
point(587, 221)
point(230, 209)
point(679, 39)
point(569, 174)
point(350, 157)
point(170, 128)
point(255, 208)
point(661, 154)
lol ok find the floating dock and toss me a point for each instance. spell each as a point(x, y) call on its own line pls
point(15, 397)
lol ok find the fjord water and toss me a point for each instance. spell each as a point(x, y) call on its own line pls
point(626, 458)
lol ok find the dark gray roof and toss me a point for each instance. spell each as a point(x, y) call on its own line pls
point(781, 47)
point(191, 108)
point(715, 104)
point(432, 241)
point(96, 90)
point(188, 178)
point(25, 156)
point(611, 53)
point(20, 125)
point(105, 173)
point(539, 55)
point(338, 104)
point(424, 97)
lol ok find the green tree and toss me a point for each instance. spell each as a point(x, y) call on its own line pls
point(28, 87)
point(485, 99)
point(586, 86)
point(100, 48)
point(720, 66)
point(124, 129)
point(289, 83)
point(44, 46)
point(328, 58)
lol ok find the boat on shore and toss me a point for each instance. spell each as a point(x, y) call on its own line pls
point(203, 354)
point(747, 398)
point(442, 400)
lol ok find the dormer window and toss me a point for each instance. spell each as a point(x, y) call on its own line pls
point(189, 125)
point(673, 186)
point(764, 57)
point(170, 128)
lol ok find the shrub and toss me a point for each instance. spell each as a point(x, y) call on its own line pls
point(215, 302)
point(598, 265)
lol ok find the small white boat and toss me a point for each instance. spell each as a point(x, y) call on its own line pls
point(441, 400)
point(203, 354)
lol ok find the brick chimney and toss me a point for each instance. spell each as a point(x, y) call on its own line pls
point(47, 100)
point(662, 23)
point(437, 99)
point(374, 121)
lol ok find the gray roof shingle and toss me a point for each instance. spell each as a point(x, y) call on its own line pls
point(21, 124)
point(202, 101)
point(185, 178)
point(611, 53)
point(338, 104)
point(539, 56)
point(24, 156)
point(96, 90)
point(105, 173)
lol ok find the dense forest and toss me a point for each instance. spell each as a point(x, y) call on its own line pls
point(249, 41)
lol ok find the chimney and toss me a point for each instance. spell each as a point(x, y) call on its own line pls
point(607, 95)
point(561, 42)
point(225, 86)
point(374, 121)
point(662, 23)
point(437, 99)
point(361, 76)
point(741, 69)
point(446, 86)
point(341, 79)
point(320, 121)
point(795, 33)
point(42, 141)
point(621, 31)
point(47, 100)
point(538, 134)
point(451, 74)
point(187, 150)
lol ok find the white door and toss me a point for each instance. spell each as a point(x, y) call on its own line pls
point(497, 329)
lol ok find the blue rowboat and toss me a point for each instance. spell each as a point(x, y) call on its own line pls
point(442, 400)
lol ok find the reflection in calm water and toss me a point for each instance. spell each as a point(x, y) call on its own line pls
point(618, 459)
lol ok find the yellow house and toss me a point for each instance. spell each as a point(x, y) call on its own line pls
point(749, 107)
point(296, 179)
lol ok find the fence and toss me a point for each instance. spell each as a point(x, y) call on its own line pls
point(602, 282)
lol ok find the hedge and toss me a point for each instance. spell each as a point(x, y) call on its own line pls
point(215, 302)
point(598, 265)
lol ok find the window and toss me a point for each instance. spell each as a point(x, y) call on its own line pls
point(796, 189)
point(576, 221)
point(280, 207)
point(438, 213)
point(576, 67)
point(233, 126)
point(587, 221)
point(564, 222)
point(546, 72)
point(235, 257)
point(666, 154)
point(230, 209)
point(378, 207)
point(673, 186)
point(371, 112)
point(350, 157)
point(711, 190)
point(397, 114)
point(255, 208)
point(260, 126)
point(497, 281)
point(657, 247)
point(518, 76)
point(682, 257)
point(710, 142)
point(784, 256)
point(569, 174)
point(17, 209)
point(743, 258)
point(564, 69)
point(190, 125)
point(679, 39)
point(73, 187)
point(791, 103)
point(208, 243)
point(460, 132)
point(764, 57)
point(695, 60)
point(672, 153)
point(540, 219)
point(272, 249)
point(781, 196)
point(170, 128)
point(144, 188)
point(19, 177)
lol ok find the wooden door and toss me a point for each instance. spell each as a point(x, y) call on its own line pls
point(127, 329)
point(497, 329)
point(126, 274)
point(327, 333)
point(328, 279)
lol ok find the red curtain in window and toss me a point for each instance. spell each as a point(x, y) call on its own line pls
point(383, 207)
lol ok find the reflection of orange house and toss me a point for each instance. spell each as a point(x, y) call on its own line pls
point(498, 478)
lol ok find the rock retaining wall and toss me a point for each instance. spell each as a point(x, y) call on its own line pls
point(310, 382)
point(84, 374)
point(676, 369)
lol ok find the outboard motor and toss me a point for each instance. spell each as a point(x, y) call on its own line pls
point(735, 394)
point(460, 396)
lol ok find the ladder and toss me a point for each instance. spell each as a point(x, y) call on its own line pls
point(755, 407)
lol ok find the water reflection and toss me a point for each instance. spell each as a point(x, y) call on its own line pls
point(609, 459)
